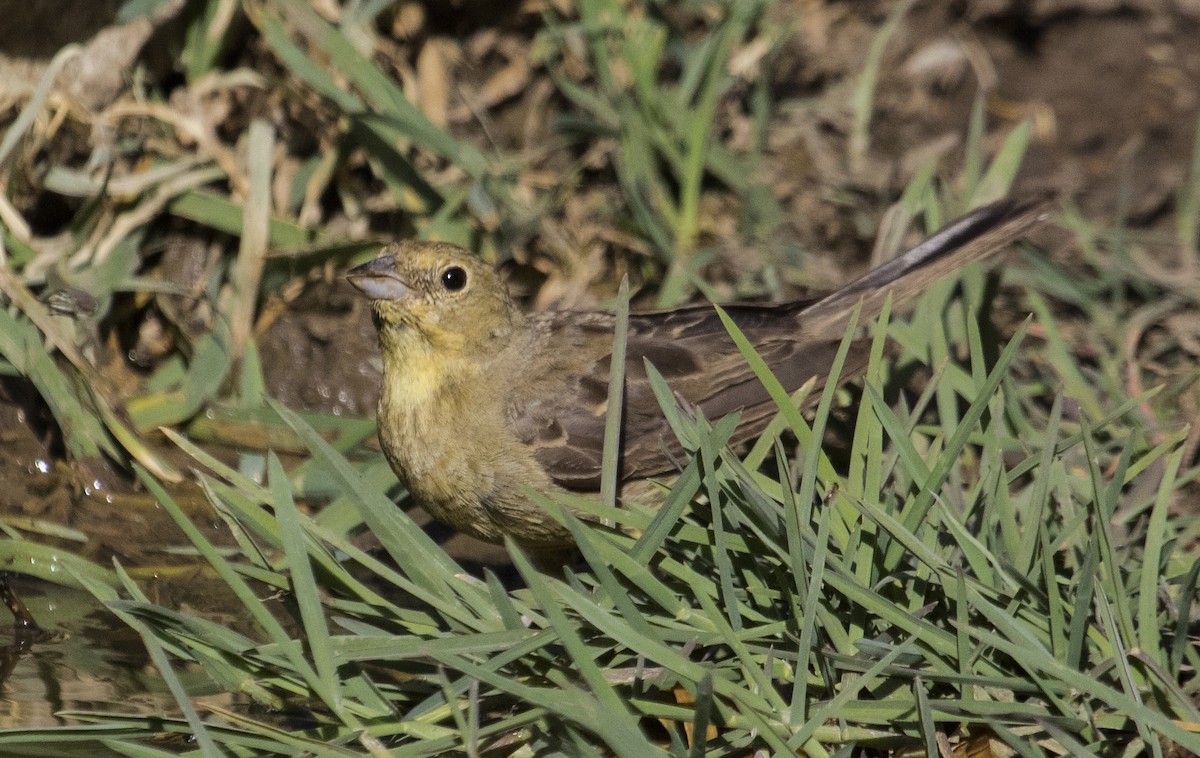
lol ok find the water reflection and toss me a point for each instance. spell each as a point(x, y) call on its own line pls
point(78, 658)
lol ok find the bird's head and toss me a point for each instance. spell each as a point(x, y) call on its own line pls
point(436, 293)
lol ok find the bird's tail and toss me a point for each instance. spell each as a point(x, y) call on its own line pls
point(972, 237)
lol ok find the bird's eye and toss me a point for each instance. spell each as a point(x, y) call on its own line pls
point(454, 278)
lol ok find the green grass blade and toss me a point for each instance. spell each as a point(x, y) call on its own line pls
point(1157, 536)
point(304, 590)
point(1002, 172)
point(864, 89)
point(609, 466)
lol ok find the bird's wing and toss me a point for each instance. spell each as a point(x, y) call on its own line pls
point(564, 420)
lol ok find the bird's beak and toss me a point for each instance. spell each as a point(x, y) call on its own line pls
point(378, 279)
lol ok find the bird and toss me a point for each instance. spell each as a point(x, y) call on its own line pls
point(482, 402)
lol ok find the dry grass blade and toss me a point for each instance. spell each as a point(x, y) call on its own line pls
point(252, 251)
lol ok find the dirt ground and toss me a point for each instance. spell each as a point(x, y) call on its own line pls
point(1112, 89)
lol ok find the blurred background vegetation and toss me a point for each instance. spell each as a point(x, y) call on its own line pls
point(998, 553)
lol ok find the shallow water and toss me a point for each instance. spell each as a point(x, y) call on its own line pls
point(87, 661)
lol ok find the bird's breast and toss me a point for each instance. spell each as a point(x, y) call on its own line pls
point(443, 427)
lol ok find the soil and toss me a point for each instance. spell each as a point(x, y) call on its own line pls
point(1112, 88)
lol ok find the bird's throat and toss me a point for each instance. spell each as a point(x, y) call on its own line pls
point(419, 374)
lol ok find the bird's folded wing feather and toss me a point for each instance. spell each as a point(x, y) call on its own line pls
point(564, 421)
